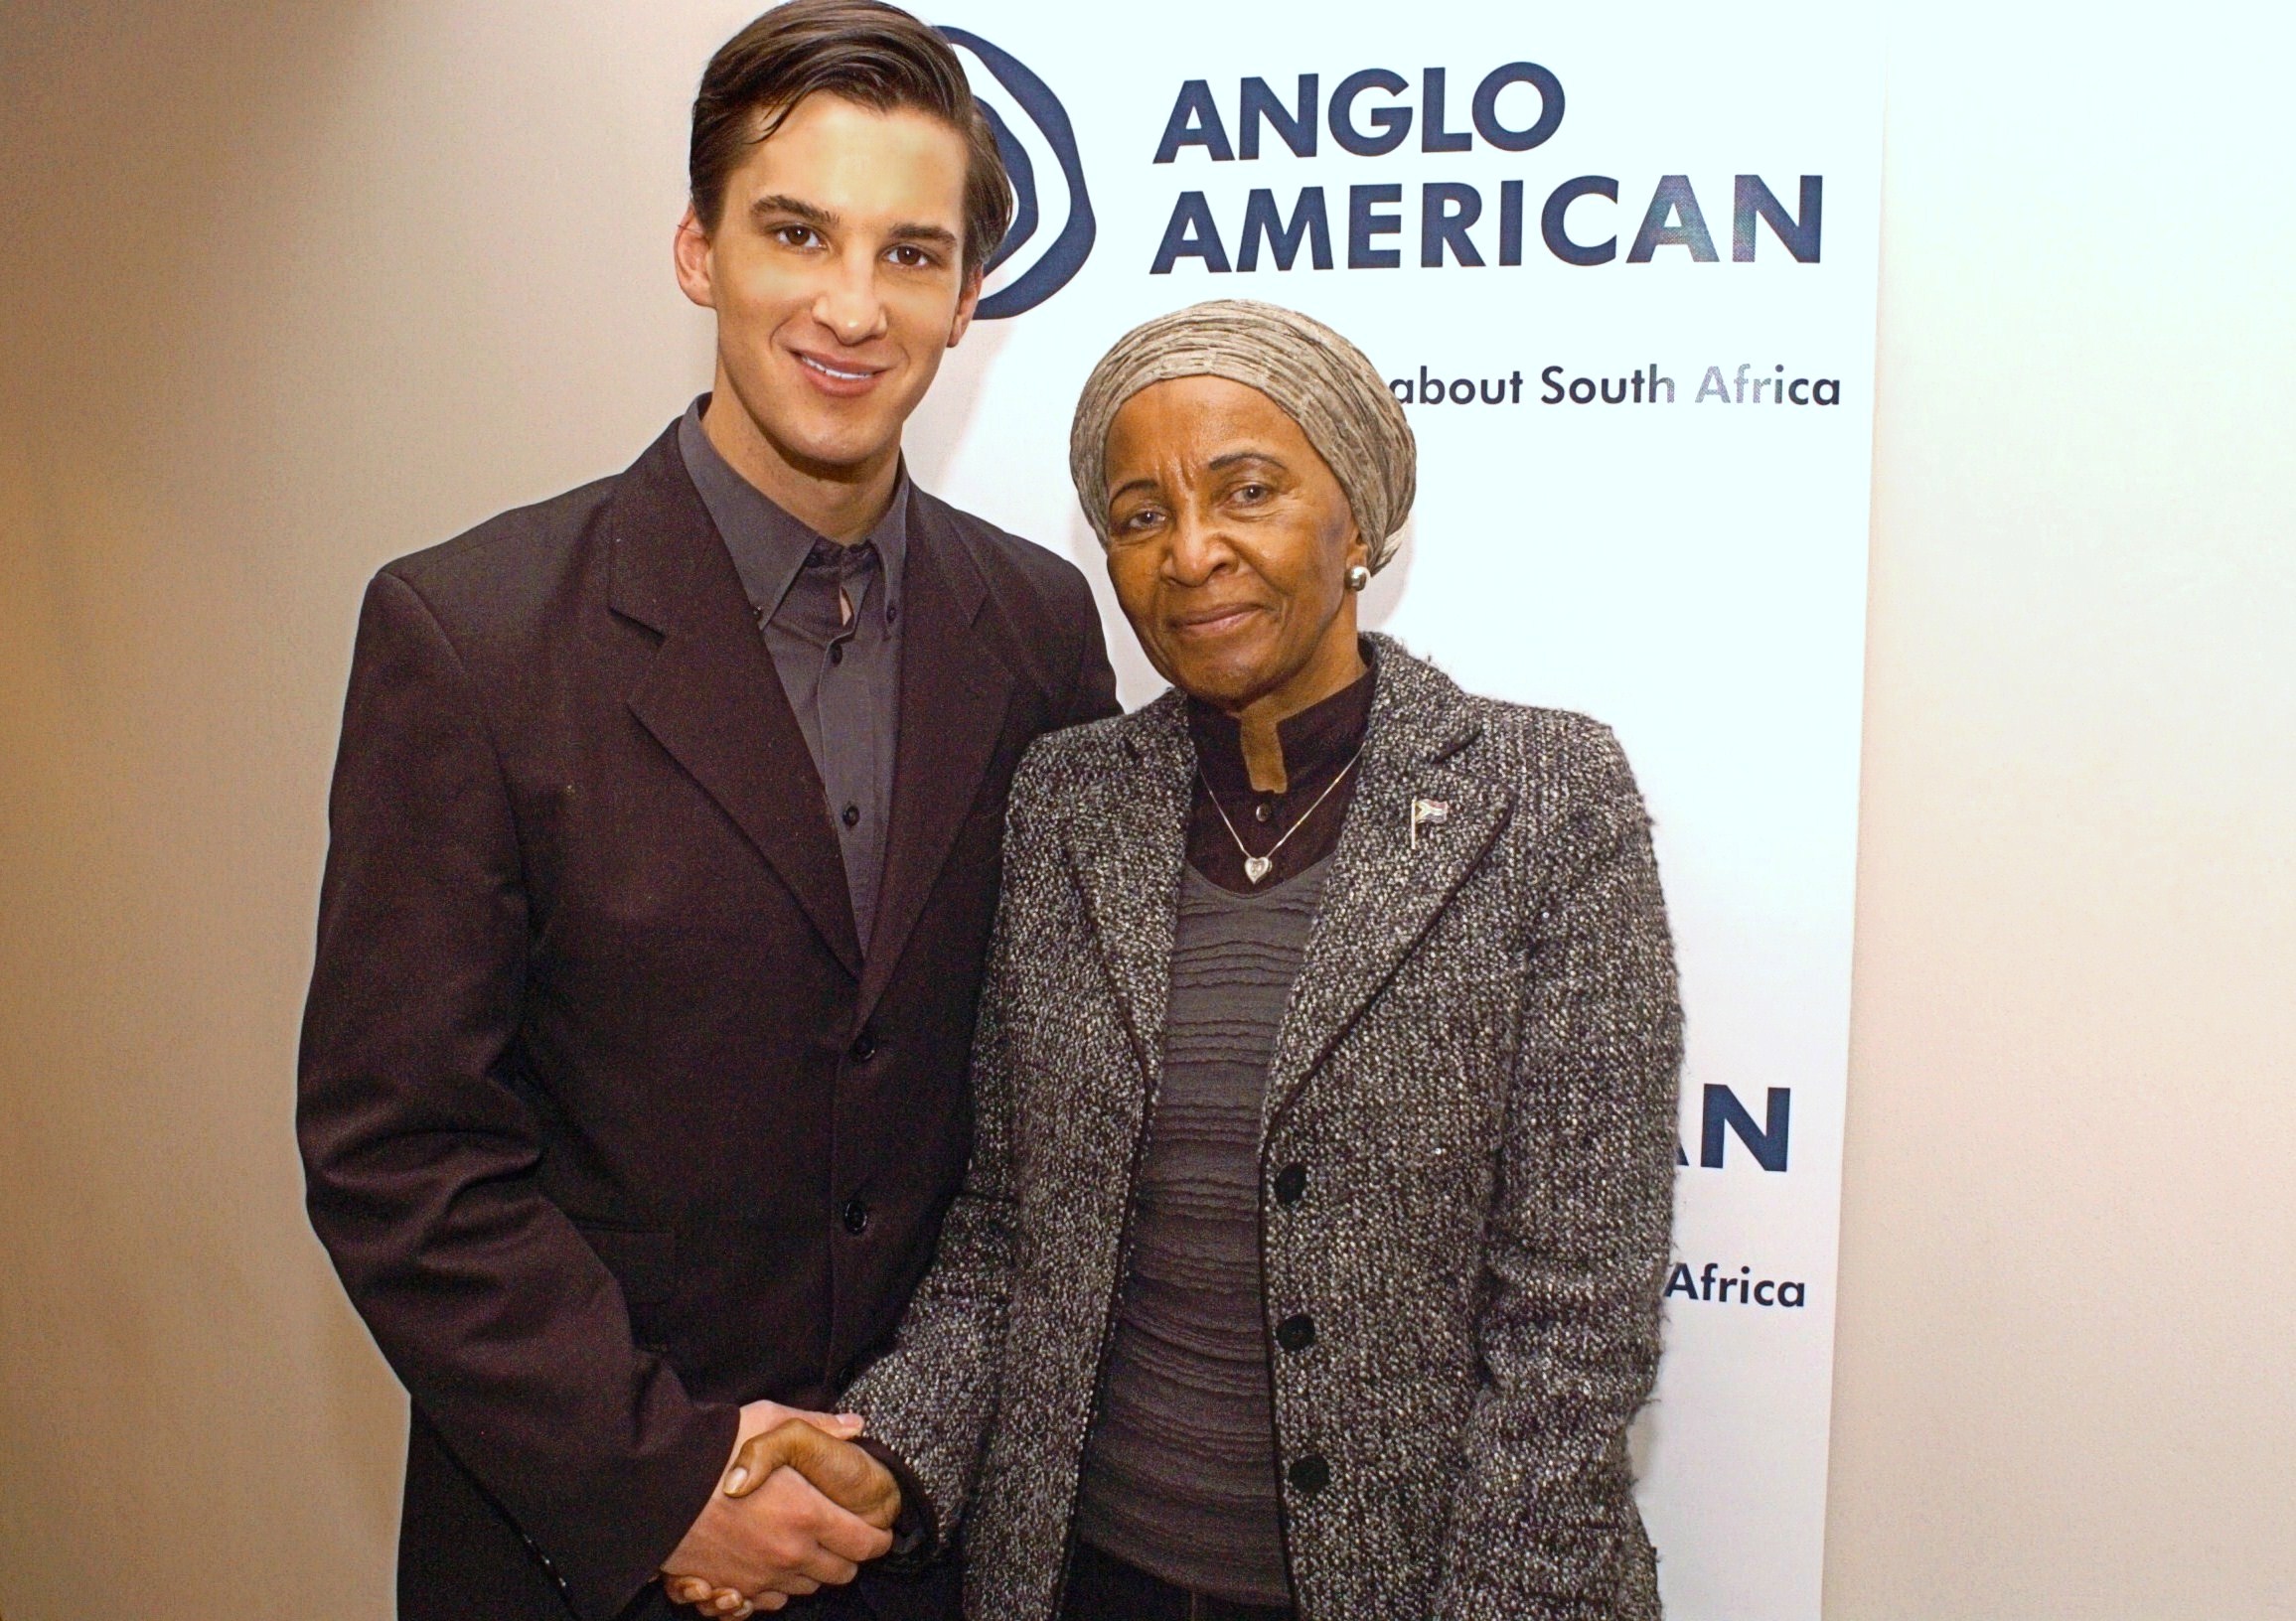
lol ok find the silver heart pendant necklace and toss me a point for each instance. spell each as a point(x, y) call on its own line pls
point(1257, 867)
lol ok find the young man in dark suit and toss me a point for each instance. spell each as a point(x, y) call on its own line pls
point(666, 842)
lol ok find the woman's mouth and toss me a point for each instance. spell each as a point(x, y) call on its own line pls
point(1212, 622)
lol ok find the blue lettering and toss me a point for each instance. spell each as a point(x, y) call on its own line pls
point(1363, 224)
point(1511, 222)
point(1551, 221)
point(1766, 1141)
point(1195, 121)
point(1486, 106)
point(1190, 235)
point(1432, 137)
point(1445, 208)
point(1391, 123)
point(1754, 200)
point(1309, 222)
point(1673, 221)
point(1295, 130)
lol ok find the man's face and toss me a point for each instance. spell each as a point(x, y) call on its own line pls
point(837, 274)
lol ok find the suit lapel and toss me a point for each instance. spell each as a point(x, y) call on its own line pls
point(1384, 890)
point(954, 695)
point(710, 696)
point(1126, 847)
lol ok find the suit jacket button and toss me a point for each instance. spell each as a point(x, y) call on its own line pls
point(856, 1217)
point(1296, 1333)
point(863, 1049)
point(1308, 1475)
point(1291, 1184)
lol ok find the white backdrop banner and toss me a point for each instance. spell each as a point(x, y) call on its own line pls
point(1621, 268)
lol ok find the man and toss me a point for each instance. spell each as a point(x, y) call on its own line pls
point(666, 844)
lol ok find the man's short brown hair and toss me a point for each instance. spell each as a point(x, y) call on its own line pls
point(867, 52)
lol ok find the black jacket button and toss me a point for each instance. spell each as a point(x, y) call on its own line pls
point(1291, 1184)
point(863, 1049)
point(1308, 1475)
point(856, 1217)
point(1296, 1333)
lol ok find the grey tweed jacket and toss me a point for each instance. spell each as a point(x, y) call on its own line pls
point(1467, 1162)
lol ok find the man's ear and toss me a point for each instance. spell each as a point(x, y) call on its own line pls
point(690, 253)
point(967, 302)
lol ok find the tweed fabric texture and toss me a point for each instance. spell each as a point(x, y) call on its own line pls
point(1466, 1169)
point(1321, 381)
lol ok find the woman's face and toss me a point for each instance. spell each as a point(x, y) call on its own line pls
point(1229, 545)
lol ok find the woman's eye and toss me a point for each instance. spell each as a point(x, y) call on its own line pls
point(1139, 522)
point(1253, 491)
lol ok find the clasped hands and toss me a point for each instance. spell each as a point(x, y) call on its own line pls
point(799, 1508)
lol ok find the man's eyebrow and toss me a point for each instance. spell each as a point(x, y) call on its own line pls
point(940, 234)
point(813, 213)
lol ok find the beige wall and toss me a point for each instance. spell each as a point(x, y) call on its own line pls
point(265, 320)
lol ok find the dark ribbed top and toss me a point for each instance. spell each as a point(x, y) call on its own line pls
point(1179, 1472)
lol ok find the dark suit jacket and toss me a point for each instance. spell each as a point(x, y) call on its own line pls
point(607, 1125)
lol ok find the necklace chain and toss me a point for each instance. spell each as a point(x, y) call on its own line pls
point(1256, 867)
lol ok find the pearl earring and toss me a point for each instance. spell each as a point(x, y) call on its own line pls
point(1358, 577)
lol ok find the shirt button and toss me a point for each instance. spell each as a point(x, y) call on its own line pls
point(850, 816)
point(863, 1049)
point(837, 652)
point(1296, 1333)
point(1291, 1184)
point(1308, 1475)
point(856, 1217)
point(892, 612)
point(1263, 811)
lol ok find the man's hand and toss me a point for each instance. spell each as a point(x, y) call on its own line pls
point(800, 1508)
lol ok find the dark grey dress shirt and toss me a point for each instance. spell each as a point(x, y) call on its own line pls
point(830, 616)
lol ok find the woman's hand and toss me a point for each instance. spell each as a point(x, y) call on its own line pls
point(816, 1452)
point(839, 1470)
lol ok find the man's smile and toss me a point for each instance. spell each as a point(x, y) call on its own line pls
point(841, 377)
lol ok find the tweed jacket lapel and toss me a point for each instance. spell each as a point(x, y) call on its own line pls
point(1386, 886)
point(1126, 848)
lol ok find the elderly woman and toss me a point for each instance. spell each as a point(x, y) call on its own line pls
point(1309, 1257)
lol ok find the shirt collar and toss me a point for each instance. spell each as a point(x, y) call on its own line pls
point(769, 547)
point(1317, 742)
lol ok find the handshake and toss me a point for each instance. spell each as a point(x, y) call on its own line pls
point(799, 1508)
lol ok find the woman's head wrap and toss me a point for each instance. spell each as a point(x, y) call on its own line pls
point(1315, 376)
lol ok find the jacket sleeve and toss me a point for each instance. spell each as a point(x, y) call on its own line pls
point(420, 1150)
point(1543, 1521)
point(931, 1398)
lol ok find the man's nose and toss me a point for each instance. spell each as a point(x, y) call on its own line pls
point(847, 303)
